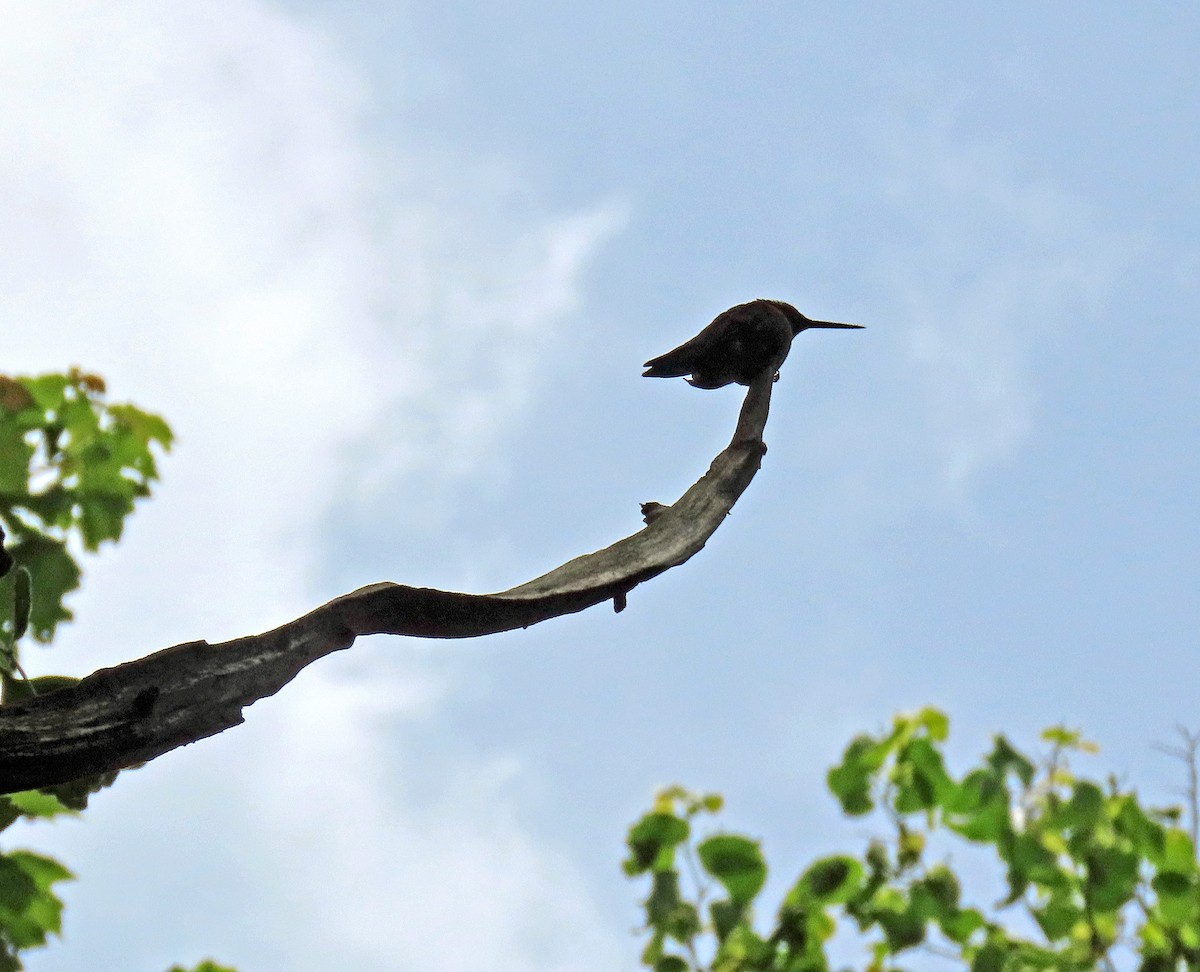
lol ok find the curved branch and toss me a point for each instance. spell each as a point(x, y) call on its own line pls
point(132, 713)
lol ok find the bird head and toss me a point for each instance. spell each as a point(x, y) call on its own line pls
point(800, 323)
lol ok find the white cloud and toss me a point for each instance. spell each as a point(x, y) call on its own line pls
point(192, 208)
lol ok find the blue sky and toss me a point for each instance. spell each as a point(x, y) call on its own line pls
point(391, 270)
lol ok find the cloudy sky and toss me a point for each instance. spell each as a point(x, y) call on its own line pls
point(390, 268)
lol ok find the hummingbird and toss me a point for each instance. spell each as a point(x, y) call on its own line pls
point(737, 345)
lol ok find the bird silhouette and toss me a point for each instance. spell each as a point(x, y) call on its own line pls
point(737, 346)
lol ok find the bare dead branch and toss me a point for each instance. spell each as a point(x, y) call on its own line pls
point(117, 717)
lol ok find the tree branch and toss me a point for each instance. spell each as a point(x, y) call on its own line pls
point(132, 713)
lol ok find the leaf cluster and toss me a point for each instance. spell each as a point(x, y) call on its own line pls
point(1089, 870)
point(30, 911)
point(72, 466)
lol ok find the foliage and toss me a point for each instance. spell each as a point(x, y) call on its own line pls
point(1090, 872)
point(72, 466)
point(29, 910)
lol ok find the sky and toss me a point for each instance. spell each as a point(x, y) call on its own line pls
point(390, 270)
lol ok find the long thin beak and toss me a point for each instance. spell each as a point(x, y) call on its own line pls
point(809, 324)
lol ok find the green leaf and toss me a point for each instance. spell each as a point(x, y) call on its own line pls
point(804, 928)
point(15, 457)
point(1085, 807)
point(943, 888)
point(1178, 854)
point(1147, 836)
point(742, 949)
point(1058, 917)
point(146, 426)
point(830, 880)
point(683, 924)
point(75, 794)
point(1004, 759)
point(102, 515)
point(902, 929)
point(919, 777)
point(45, 871)
point(989, 958)
point(850, 781)
point(663, 899)
point(21, 690)
point(910, 845)
point(935, 722)
point(48, 391)
point(1029, 860)
point(29, 911)
point(9, 814)
point(820, 926)
point(852, 786)
point(1065, 738)
point(36, 803)
point(16, 888)
point(1026, 956)
point(1178, 900)
point(1112, 877)
point(652, 841)
point(54, 574)
point(726, 916)
point(667, 912)
point(654, 948)
point(978, 809)
point(737, 862)
point(959, 926)
point(54, 506)
point(208, 965)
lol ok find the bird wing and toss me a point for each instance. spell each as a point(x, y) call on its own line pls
point(680, 361)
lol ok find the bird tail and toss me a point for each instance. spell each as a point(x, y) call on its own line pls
point(665, 366)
